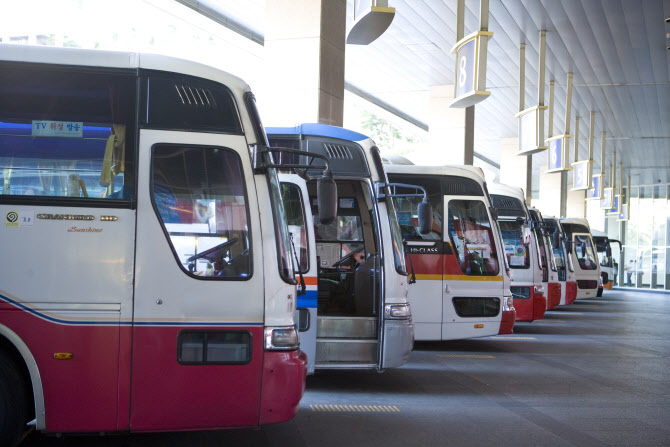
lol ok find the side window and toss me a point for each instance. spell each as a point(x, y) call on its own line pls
point(295, 219)
point(408, 208)
point(67, 135)
point(472, 237)
point(200, 198)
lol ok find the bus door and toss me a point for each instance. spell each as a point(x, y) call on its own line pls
point(199, 284)
point(616, 248)
point(299, 220)
point(350, 297)
point(473, 282)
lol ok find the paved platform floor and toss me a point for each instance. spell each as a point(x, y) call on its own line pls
point(596, 373)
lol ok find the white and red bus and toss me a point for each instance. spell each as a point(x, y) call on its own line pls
point(355, 313)
point(563, 260)
point(521, 250)
point(138, 291)
point(609, 267)
point(460, 289)
point(550, 282)
point(584, 257)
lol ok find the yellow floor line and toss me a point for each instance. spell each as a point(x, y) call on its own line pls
point(356, 408)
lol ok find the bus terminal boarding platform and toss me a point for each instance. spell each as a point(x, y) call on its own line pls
point(595, 373)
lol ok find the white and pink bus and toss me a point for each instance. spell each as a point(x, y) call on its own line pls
point(147, 281)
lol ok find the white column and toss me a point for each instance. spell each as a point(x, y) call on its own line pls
point(304, 53)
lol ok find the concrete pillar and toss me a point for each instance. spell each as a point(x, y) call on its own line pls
point(515, 170)
point(304, 54)
point(452, 131)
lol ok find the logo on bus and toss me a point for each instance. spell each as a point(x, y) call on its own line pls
point(12, 219)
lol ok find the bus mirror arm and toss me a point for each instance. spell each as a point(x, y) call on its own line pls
point(326, 189)
point(424, 211)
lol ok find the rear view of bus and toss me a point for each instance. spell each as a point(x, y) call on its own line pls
point(521, 251)
point(359, 318)
point(562, 259)
point(584, 257)
point(459, 266)
point(137, 292)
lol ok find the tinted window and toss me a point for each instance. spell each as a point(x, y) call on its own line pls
point(66, 134)
point(408, 207)
point(214, 347)
point(515, 250)
point(187, 103)
point(295, 219)
point(199, 195)
point(472, 238)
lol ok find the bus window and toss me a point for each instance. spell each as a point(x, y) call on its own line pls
point(584, 251)
point(515, 250)
point(472, 238)
point(295, 219)
point(78, 144)
point(200, 198)
point(408, 210)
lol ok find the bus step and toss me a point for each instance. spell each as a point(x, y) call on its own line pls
point(346, 351)
point(347, 327)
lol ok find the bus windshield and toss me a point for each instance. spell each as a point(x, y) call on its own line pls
point(584, 252)
point(515, 250)
point(472, 237)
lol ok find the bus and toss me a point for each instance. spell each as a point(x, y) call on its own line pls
point(584, 257)
point(355, 311)
point(608, 259)
point(563, 260)
point(138, 292)
point(550, 281)
point(460, 291)
point(521, 250)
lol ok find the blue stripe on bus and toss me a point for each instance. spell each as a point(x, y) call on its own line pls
point(319, 130)
point(309, 299)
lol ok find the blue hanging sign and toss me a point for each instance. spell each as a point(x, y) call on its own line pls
point(470, 70)
point(557, 157)
point(615, 207)
point(623, 212)
point(607, 201)
point(596, 192)
point(581, 175)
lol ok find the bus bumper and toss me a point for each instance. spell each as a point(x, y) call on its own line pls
point(284, 375)
point(554, 295)
point(398, 342)
point(539, 306)
point(507, 322)
point(531, 308)
point(570, 292)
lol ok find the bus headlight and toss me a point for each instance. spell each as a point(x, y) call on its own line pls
point(539, 290)
point(281, 338)
point(397, 311)
point(508, 303)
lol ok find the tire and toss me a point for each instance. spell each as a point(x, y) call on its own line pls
point(12, 403)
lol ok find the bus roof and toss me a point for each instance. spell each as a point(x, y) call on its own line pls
point(435, 170)
point(319, 130)
point(116, 59)
point(576, 220)
point(506, 190)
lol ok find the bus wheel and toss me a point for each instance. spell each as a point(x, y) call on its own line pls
point(12, 404)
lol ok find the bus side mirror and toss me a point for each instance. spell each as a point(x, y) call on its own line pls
point(557, 239)
point(425, 217)
point(326, 192)
point(583, 250)
point(608, 251)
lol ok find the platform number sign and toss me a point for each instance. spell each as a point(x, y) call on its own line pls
point(581, 175)
point(556, 154)
point(594, 193)
point(465, 69)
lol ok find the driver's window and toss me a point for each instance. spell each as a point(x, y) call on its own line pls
point(199, 196)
